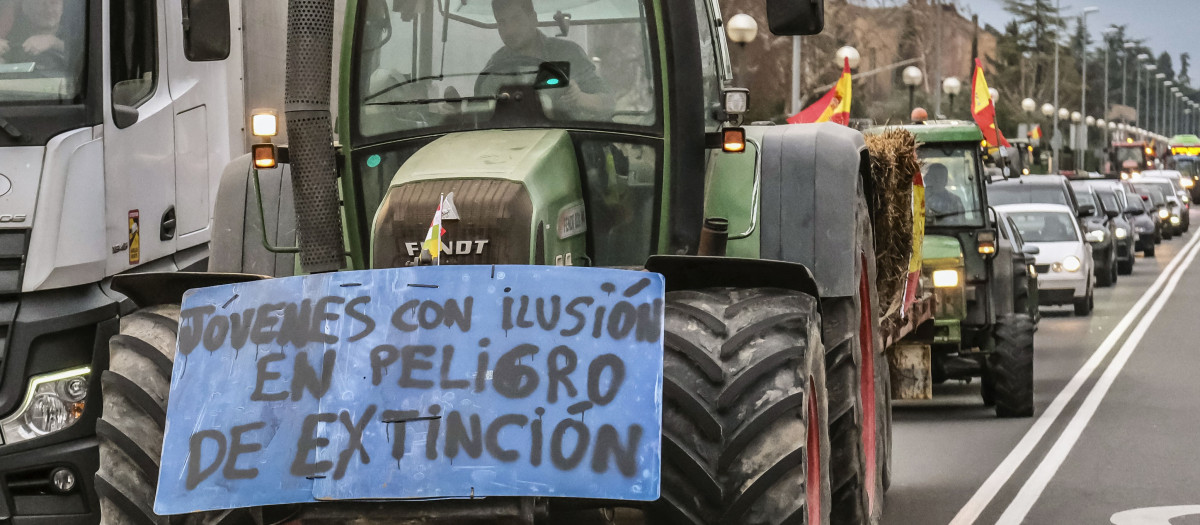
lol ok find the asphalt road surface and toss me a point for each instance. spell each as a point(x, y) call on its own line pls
point(1116, 435)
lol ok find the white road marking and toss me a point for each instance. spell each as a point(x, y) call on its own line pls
point(1036, 484)
point(1154, 515)
point(1004, 471)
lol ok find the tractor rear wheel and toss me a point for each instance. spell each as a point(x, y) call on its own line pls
point(744, 409)
point(130, 430)
point(1011, 366)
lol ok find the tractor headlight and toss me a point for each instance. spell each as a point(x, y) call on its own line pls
point(1033, 270)
point(1186, 182)
point(945, 278)
point(1122, 233)
point(1095, 236)
point(1071, 264)
point(1164, 213)
point(264, 124)
point(52, 402)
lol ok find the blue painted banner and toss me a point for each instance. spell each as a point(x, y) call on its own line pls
point(430, 382)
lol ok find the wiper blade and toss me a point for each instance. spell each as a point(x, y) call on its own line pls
point(10, 129)
point(433, 100)
point(399, 85)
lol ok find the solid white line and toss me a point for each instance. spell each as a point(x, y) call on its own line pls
point(1036, 484)
point(1005, 470)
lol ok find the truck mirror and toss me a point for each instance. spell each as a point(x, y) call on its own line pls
point(206, 30)
point(124, 116)
point(796, 17)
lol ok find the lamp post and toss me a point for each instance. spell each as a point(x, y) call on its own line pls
point(1048, 112)
point(1083, 85)
point(1028, 105)
point(912, 77)
point(1125, 72)
point(1160, 90)
point(1108, 34)
point(741, 29)
point(951, 87)
point(1149, 68)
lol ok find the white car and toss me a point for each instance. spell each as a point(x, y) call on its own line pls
point(1064, 257)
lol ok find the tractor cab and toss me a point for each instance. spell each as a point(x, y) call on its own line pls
point(1130, 158)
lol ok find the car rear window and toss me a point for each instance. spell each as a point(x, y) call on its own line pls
point(1026, 194)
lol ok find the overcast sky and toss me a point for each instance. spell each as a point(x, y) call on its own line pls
point(1167, 25)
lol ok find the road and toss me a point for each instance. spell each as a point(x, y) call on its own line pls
point(1115, 429)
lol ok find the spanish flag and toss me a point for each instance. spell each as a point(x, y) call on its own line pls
point(1036, 134)
point(433, 239)
point(833, 107)
point(984, 110)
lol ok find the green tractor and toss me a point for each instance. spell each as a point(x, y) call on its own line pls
point(986, 287)
point(586, 133)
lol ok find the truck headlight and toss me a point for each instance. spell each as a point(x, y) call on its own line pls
point(52, 402)
point(1122, 233)
point(1095, 236)
point(1071, 264)
point(945, 278)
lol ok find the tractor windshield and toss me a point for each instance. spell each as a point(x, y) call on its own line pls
point(42, 45)
point(425, 66)
point(951, 185)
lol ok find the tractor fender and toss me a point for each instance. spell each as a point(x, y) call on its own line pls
point(239, 223)
point(155, 288)
point(692, 272)
point(811, 175)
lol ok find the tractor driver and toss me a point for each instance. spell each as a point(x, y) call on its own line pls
point(939, 201)
point(525, 47)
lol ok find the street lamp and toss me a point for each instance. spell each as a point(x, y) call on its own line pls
point(1064, 113)
point(741, 29)
point(1048, 110)
point(1029, 106)
point(1090, 120)
point(1125, 72)
point(951, 86)
point(912, 77)
point(1159, 100)
point(1083, 85)
point(1149, 68)
point(848, 53)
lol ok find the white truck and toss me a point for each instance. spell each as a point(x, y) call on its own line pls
point(117, 120)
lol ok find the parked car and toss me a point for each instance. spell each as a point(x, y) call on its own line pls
point(1176, 179)
point(1100, 231)
point(1114, 204)
point(1064, 260)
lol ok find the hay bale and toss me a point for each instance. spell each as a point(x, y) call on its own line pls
point(894, 163)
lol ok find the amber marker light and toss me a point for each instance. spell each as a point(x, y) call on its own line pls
point(733, 140)
point(264, 156)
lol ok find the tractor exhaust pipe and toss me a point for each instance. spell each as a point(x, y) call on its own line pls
point(714, 235)
point(306, 109)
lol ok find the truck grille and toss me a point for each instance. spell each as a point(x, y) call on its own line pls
point(493, 225)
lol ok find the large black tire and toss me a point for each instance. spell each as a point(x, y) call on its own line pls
point(857, 474)
point(1104, 275)
point(1084, 305)
point(130, 430)
point(744, 372)
point(1149, 252)
point(1011, 366)
point(1126, 267)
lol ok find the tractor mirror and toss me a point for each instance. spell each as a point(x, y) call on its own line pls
point(206, 30)
point(553, 75)
point(796, 17)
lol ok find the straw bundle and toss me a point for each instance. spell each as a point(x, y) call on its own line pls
point(893, 165)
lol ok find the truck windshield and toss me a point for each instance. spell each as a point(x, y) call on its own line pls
point(42, 49)
point(1134, 153)
point(1045, 226)
point(445, 65)
point(951, 186)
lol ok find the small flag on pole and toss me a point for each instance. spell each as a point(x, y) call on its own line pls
point(1036, 134)
point(833, 107)
point(984, 110)
point(433, 239)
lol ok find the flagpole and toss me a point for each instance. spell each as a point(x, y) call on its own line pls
point(441, 202)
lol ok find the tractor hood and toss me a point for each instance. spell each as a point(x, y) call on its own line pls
point(515, 196)
point(940, 251)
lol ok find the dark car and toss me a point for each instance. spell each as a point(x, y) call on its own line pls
point(1162, 209)
point(1168, 181)
point(1110, 201)
point(1055, 189)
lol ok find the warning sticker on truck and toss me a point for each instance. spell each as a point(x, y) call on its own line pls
point(135, 238)
point(428, 382)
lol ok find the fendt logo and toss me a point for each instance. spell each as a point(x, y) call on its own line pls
point(451, 247)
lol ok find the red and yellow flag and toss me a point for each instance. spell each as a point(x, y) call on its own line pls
point(1036, 134)
point(433, 238)
point(833, 107)
point(984, 110)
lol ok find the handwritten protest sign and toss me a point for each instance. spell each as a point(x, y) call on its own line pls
point(429, 382)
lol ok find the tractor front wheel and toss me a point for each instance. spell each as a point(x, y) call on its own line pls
point(1011, 366)
point(744, 409)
